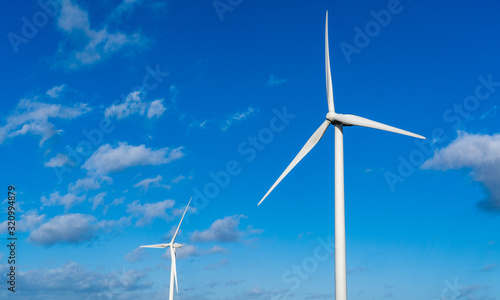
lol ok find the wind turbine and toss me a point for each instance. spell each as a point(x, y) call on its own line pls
point(173, 245)
point(339, 121)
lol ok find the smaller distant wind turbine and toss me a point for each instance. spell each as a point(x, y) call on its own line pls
point(173, 246)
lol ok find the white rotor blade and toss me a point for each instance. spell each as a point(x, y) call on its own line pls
point(359, 121)
point(329, 88)
point(313, 140)
point(177, 231)
point(156, 246)
point(174, 266)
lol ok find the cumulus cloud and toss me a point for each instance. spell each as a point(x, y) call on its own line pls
point(71, 229)
point(149, 211)
point(273, 81)
point(156, 108)
point(98, 44)
point(107, 159)
point(33, 117)
point(27, 222)
point(72, 278)
point(89, 183)
point(134, 104)
point(223, 230)
point(238, 117)
point(151, 182)
point(479, 152)
point(68, 200)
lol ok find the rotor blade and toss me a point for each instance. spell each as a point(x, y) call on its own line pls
point(329, 88)
point(156, 246)
point(177, 231)
point(174, 266)
point(359, 121)
point(313, 140)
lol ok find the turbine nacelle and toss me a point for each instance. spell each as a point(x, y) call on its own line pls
point(176, 245)
point(335, 118)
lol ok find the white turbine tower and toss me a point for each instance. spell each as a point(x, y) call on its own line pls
point(339, 121)
point(173, 245)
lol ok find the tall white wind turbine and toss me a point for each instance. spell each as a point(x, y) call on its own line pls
point(173, 245)
point(339, 121)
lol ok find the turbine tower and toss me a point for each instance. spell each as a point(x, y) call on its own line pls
point(339, 121)
point(173, 245)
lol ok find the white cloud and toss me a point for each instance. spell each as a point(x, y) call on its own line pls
point(178, 179)
point(27, 222)
point(137, 254)
point(238, 117)
point(151, 182)
point(149, 211)
point(107, 159)
point(223, 230)
point(88, 183)
point(156, 108)
point(273, 81)
point(134, 104)
point(74, 22)
point(67, 200)
point(115, 202)
point(33, 117)
point(58, 161)
point(479, 152)
point(56, 91)
point(72, 278)
point(98, 200)
point(71, 229)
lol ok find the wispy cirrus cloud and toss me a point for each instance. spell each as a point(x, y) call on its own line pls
point(74, 22)
point(238, 117)
point(274, 81)
point(145, 184)
point(479, 152)
point(32, 116)
point(134, 104)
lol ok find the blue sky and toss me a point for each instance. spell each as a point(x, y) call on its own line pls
point(116, 113)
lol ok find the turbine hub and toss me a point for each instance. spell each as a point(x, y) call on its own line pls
point(330, 116)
